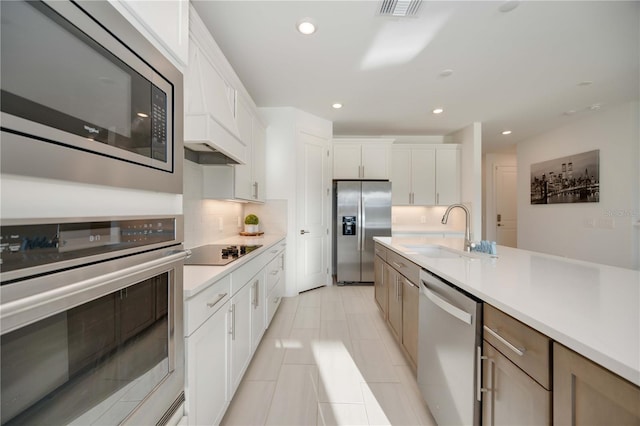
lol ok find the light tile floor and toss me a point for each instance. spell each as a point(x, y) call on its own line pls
point(328, 358)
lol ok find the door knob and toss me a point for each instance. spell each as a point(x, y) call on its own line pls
point(302, 232)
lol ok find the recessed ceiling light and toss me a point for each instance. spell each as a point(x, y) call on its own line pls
point(306, 26)
point(595, 107)
point(569, 112)
point(585, 83)
point(438, 111)
point(506, 132)
point(336, 105)
point(446, 73)
point(508, 6)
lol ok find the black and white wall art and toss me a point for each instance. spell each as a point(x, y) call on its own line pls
point(570, 179)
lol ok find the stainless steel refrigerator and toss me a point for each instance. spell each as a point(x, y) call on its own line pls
point(362, 210)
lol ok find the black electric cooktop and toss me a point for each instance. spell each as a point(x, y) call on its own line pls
point(218, 254)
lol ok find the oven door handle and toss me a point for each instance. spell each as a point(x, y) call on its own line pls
point(20, 312)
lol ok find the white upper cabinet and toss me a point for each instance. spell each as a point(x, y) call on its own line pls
point(210, 99)
point(447, 175)
point(361, 158)
point(425, 175)
point(164, 23)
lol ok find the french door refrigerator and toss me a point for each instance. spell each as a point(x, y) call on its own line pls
point(362, 210)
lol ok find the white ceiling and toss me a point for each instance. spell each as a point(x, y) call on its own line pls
point(518, 70)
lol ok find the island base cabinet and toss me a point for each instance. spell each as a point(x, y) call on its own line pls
point(587, 394)
point(380, 285)
point(207, 387)
point(510, 396)
point(394, 316)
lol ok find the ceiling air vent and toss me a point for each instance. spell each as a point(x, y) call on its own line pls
point(399, 8)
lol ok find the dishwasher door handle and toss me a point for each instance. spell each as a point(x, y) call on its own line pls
point(448, 307)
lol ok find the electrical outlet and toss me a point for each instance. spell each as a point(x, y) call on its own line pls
point(239, 222)
point(220, 224)
point(393, 219)
point(606, 223)
point(423, 219)
point(589, 222)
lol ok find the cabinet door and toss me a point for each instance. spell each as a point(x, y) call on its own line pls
point(401, 176)
point(423, 176)
point(410, 298)
point(586, 394)
point(258, 161)
point(207, 370)
point(395, 303)
point(447, 176)
point(380, 285)
point(258, 289)
point(243, 172)
point(346, 161)
point(240, 328)
point(511, 396)
point(375, 161)
point(166, 21)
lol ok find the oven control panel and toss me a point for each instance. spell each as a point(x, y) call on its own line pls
point(24, 246)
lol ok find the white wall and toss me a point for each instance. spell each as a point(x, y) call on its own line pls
point(602, 232)
point(206, 221)
point(27, 197)
point(470, 140)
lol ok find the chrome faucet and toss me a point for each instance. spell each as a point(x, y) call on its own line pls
point(467, 233)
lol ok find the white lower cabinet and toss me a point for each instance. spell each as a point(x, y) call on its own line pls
point(207, 382)
point(224, 324)
point(258, 325)
point(240, 331)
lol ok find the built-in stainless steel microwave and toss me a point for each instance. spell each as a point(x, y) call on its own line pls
point(86, 98)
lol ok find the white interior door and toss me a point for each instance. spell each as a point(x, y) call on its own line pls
point(312, 268)
point(506, 206)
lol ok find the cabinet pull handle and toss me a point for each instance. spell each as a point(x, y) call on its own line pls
point(233, 322)
point(213, 303)
point(257, 294)
point(479, 388)
point(494, 333)
point(398, 265)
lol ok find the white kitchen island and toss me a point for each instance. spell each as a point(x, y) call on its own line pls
point(590, 308)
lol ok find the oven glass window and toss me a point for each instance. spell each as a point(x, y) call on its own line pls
point(55, 75)
point(92, 364)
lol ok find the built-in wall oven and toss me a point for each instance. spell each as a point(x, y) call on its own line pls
point(85, 97)
point(91, 321)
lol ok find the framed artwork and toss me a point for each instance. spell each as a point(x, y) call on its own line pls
point(570, 179)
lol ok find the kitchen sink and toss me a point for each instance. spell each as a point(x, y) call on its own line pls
point(435, 252)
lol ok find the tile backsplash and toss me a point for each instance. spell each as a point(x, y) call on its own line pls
point(206, 221)
point(426, 219)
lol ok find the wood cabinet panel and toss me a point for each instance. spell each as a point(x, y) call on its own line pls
point(410, 300)
point(586, 394)
point(536, 358)
point(381, 276)
point(511, 397)
point(394, 317)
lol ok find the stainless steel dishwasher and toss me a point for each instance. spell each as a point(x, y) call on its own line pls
point(449, 350)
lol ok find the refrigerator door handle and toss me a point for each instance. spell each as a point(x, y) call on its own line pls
point(362, 224)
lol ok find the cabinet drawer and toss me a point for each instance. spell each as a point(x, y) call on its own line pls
point(274, 271)
point(524, 346)
point(206, 303)
point(409, 269)
point(242, 275)
point(273, 300)
point(380, 251)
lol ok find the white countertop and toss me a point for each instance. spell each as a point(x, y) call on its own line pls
point(591, 308)
point(199, 277)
